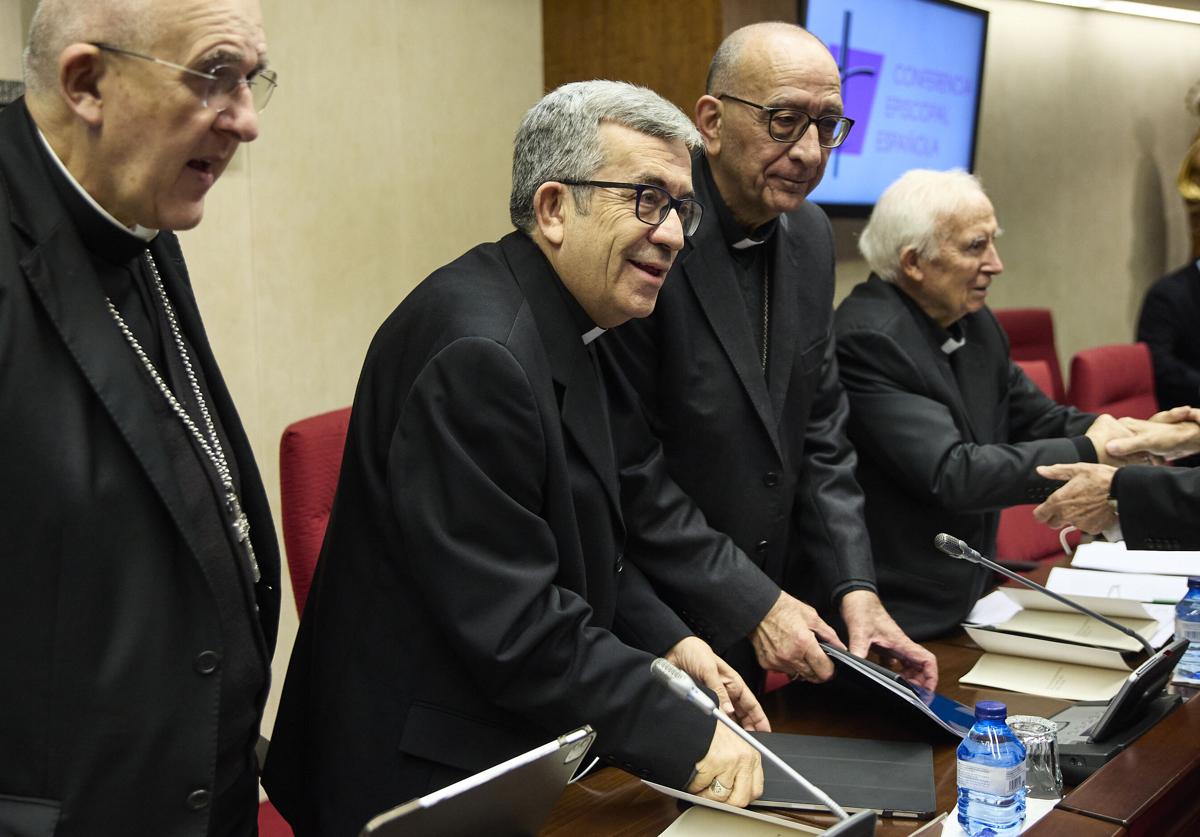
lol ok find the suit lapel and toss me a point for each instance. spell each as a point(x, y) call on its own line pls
point(584, 410)
point(791, 269)
point(975, 383)
point(709, 271)
point(62, 279)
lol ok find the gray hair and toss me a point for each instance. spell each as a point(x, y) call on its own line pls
point(56, 24)
point(559, 138)
point(911, 212)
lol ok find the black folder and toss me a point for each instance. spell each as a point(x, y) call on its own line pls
point(893, 778)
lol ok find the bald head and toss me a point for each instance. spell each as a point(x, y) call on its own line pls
point(56, 24)
point(739, 54)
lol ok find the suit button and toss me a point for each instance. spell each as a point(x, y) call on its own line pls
point(770, 479)
point(207, 662)
point(198, 799)
point(761, 547)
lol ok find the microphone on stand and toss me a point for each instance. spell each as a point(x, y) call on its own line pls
point(681, 683)
point(956, 548)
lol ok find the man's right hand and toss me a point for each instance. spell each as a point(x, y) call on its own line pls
point(1103, 429)
point(1170, 434)
point(730, 772)
point(786, 640)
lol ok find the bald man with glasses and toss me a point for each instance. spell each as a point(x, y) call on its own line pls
point(140, 573)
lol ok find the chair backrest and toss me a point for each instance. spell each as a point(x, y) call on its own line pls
point(1116, 379)
point(1020, 537)
point(1031, 337)
point(310, 458)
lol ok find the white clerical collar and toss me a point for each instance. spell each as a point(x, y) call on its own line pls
point(747, 243)
point(144, 233)
point(952, 345)
point(589, 336)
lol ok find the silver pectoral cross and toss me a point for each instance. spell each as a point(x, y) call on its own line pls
point(241, 528)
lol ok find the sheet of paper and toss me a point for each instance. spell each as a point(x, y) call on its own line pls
point(1114, 557)
point(1142, 587)
point(1035, 809)
point(993, 608)
point(710, 819)
point(1079, 627)
point(1105, 606)
point(1014, 645)
point(1046, 678)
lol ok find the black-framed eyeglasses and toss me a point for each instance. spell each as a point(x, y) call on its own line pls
point(222, 83)
point(789, 124)
point(653, 203)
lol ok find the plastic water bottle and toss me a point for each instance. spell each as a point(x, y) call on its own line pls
point(991, 775)
point(1187, 626)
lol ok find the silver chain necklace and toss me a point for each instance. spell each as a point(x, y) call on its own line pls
point(766, 314)
point(210, 445)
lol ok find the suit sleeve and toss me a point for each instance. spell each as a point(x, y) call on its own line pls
point(1159, 507)
point(913, 436)
point(829, 503)
point(720, 593)
point(1163, 326)
point(466, 468)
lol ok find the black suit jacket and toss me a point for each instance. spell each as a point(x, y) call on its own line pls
point(941, 448)
point(106, 713)
point(1168, 322)
point(769, 466)
point(1159, 507)
point(472, 576)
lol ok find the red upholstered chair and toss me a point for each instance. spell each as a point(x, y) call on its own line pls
point(1021, 539)
point(1116, 379)
point(310, 458)
point(1031, 337)
point(271, 823)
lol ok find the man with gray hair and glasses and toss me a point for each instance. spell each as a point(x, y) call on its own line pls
point(472, 599)
point(949, 430)
point(139, 578)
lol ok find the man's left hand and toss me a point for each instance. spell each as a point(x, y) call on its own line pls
point(868, 623)
point(694, 656)
point(1083, 501)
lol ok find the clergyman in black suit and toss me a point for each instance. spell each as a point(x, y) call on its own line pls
point(948, 429)
point(737, 369)
point(473, 598)
point(138, 604)
point(1167, 324)
point(1149, 507)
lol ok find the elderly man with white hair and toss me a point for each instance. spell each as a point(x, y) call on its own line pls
point(139, 575)
point(948, 429)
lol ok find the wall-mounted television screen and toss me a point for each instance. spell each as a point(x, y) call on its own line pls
point(911, 77)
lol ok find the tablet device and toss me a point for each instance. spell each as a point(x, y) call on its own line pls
point(511, 799)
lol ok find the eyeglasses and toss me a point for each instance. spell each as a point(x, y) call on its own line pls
point(789, 124)
point(654, 203)
point(222, 83)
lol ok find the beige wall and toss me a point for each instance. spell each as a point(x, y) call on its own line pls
point(1081, 134)
point(10, 39)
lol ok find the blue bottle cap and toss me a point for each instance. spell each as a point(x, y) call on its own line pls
point(1193, 581)
point(990, 710)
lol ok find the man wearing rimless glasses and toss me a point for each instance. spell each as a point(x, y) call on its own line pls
point(139, 573)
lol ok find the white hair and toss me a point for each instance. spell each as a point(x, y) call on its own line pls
point(912, 213)
point(56, 24)
point(559, 138)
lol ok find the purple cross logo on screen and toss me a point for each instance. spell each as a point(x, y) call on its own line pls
point(860, 78)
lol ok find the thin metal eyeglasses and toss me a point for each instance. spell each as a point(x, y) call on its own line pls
point(223, 81)
point(789, 124)
point(653, 203)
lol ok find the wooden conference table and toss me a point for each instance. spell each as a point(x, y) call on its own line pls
point(1153, 788)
